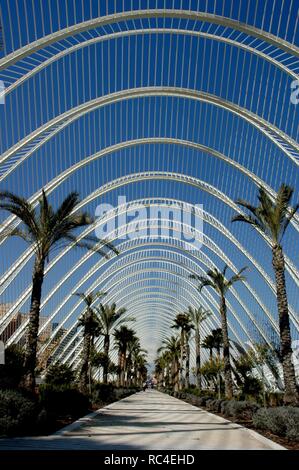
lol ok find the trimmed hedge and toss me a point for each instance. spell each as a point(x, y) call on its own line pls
point(283, 421)
point(17, 413)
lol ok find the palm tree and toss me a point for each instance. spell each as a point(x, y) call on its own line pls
point(134, 352)
point(208, 343)
point(108, 316)
point(216, 279)
point(197, 317)
point(138, 356)
point(123, 336)
point(187, 347)
point(182, 322)
point(217, 339)
point(172, 346)
point(272, 219)
point(91, 328)
point(44, 231)
point(211, 369)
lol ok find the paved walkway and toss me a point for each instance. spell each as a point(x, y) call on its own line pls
point(147, 420)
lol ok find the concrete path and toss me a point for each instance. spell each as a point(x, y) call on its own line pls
point(147, 420)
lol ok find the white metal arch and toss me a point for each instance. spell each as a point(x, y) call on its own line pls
point(106, 275)
point(155, 175)
point(55, 125)
point(144, 31)
point(206, 241)
point(25, 51)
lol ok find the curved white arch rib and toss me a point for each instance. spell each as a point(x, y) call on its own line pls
point(59, 35)
point(147, 223)
point(181, 265)
point(126, 247)
point(193, 301)
point(18, 333)
point(59, 122)
point(72, 357)
point(165, 318)
point(121, 302)
point(25, 295)
point(206, 262)
point(145, 31)
point(188, 180)
point(207, 217)
point(207, 294)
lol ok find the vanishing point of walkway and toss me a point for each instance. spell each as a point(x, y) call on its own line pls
point(147, 420)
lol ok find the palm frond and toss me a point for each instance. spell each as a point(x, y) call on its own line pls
point(248, 219)
point(288, 219)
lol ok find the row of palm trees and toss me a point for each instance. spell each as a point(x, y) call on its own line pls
point(271, 219)
point(47, 229)
point(102, 320)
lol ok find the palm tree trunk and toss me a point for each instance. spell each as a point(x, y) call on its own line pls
point(197, 365)
point(106, 352)
point(84, 372)
point(187, 375)
point(181, 379)
point(226, 356)
point(119, 369)
point(122, 369)
point(291, 393)
point(219, 374)
point(32, 331)
point(176, 375)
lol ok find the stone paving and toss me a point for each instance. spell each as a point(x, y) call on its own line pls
point(147, 420)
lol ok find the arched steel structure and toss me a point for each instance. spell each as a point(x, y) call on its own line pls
point(171, 104)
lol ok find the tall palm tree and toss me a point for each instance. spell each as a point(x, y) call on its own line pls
point(197, 317)
point(208, 343)
point(138, 356)
point(217, 338)
point(134, 351)
point(45, 230)
point(182, 322)
point(187, 372)
point(172, 346)
point(123, 336)
point(91, 328)
point(272, 219)
point(108, 316)
point(216, 279)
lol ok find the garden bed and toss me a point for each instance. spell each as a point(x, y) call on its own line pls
point(247, 408)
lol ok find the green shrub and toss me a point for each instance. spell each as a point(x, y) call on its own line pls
point(239, 409)
point(202, 401)
point(17, 413)
point(103, 393)
point(63, 400)
point(60, 374)
point(275, 398)
point(283, 421)
point(214, 405)
point(12, 371)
